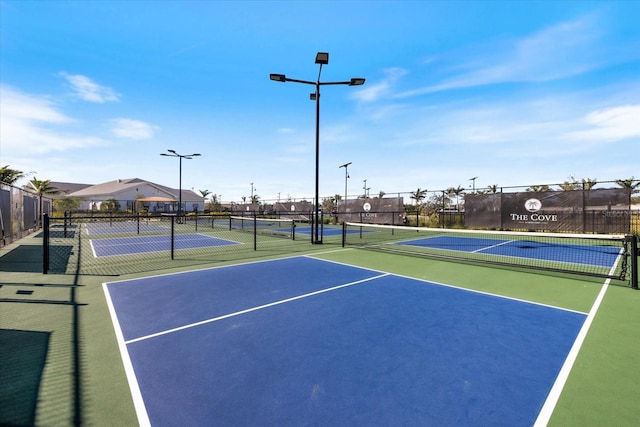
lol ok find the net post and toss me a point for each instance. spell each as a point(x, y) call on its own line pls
point(173, 234)
point(45, 243)
point(634, 262)
point(293, 230)
point(311, 217)
point(65, 223)
point(138, 221)
point(344, 233)
point(255, 231)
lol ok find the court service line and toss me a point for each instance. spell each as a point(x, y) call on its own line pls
point(506, 242)
point(249, 310)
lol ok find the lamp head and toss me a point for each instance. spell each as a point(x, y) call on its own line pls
point(278, 77)
point(322, 58)
point(357, 81)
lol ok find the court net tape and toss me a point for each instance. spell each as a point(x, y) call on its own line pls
point(586, 254)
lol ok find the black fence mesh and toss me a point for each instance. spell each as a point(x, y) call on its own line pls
point(124, 244)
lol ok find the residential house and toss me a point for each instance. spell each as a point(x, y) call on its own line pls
point(132, 195)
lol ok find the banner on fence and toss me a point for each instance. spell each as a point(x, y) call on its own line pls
point(599, 211)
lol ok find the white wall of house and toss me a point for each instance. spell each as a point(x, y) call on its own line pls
point(127, 197)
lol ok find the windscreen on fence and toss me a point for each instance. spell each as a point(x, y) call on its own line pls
point(298, 211)
point(386, 210)
point(582, 211)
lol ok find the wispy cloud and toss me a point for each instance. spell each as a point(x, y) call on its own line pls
point(87, 90)
point(562, 50)
point(372, 92)
point(133, 129)
point(285, 131)
point(32, 124)
point(610, 124)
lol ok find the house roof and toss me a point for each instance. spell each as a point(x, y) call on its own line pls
point(66, 188)
point(112, 188)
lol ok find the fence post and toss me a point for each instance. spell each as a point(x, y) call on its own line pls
point(45, 243)
point(255, 231)
point(173, 233)
point(634, 261)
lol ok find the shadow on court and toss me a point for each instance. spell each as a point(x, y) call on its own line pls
point(24, 259)
point(23, 355)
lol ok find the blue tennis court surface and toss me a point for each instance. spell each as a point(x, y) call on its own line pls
point(146, 244)
point(123, 227)
point(301, 341)
point(603, 256)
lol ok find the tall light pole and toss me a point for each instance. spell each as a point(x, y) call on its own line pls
point(474, 182)
point(346, 177)
point(179, 156)
point(322, 58)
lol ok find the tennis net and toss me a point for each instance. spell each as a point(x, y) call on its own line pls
point(587, 254)
point(277, 227)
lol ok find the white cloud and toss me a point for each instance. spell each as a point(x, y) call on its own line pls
point(88, 90)
point(559, 51)
point(372, 92)
point(285, 131)
point(32, 124)
point(610, 124)
point(132, 129)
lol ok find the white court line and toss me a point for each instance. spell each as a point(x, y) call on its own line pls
point(134, 387)
point(554, 395)
point(249, 310)
point(492, 246)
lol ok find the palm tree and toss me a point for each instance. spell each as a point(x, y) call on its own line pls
point(204, 193)
point(631, 183)
point(41, 188)
point(571, 184)
point(10, 176)
point(419, 195)
point(493, 188)
point(536, 188)
point(589, 183)
point(457, 191)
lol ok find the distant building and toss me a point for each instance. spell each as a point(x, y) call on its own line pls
point(131, 194)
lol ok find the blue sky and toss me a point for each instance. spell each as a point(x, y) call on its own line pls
point(512, 92)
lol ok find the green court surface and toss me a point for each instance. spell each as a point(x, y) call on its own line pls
point(82, 379)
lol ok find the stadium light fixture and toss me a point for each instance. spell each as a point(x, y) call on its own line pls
point(180, 157)
point(346, 177)
point(322, 58)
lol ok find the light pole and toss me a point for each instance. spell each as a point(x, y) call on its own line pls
point(474, 182)
point(180, 157)
point(346, 177)
point(322, 58)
